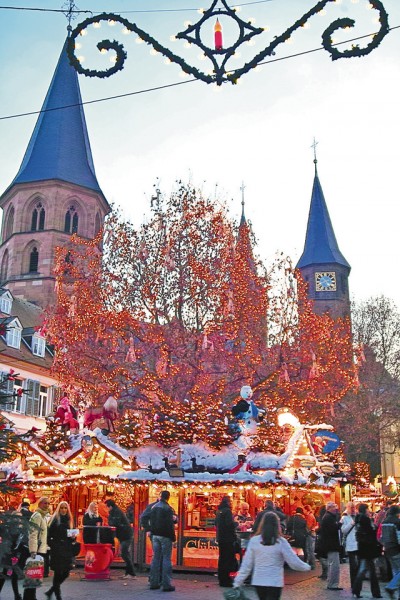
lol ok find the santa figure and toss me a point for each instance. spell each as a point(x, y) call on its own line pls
point(66, 415)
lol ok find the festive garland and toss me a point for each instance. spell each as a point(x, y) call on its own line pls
point(246, 32)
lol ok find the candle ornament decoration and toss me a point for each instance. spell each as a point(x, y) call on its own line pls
point(218, 55)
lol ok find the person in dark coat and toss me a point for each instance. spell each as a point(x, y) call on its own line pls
point(298, 530)
point(329, 544)
point(91, 521)
point(368, 550)
point(390, 540)
point(162, 529)
point(124, 534)
point(14, 561)
point(61, 547)
point(226, 536)
point(270, 507)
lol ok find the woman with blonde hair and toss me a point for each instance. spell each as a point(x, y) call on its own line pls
point(265, 557)
point(91, 521)
point(61, 544)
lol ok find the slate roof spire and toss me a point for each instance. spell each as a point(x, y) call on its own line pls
point(59, 147)
point(320, 246)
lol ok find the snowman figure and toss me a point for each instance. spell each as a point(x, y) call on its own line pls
point(247, 413)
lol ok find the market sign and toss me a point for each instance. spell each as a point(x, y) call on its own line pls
point(307, 463)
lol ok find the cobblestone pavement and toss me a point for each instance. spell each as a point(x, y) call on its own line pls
point(193, 586)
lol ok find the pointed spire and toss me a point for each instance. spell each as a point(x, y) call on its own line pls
point(59, 147)
point(320, 246)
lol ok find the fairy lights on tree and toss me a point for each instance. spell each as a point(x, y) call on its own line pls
point(175, 317)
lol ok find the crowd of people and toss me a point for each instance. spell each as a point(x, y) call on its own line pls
point(359, 535)
point(255, 549)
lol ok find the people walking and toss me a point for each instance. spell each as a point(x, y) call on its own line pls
point(162, 529)
point(298, 530)
point(226, 536)
point(37, 539)
point(91, 521)
point(368, 550)
point(390, 536)
point(349, 540)
point(124, 534)
point(329, 544)
point(265, 557)
point(61, 547)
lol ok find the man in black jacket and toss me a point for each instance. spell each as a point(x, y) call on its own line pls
point(330, 544)
point(124, 534)
point(270, 507)
point(162, 521)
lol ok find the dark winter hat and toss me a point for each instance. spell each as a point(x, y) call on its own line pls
point(241, 407)
point(299, 510)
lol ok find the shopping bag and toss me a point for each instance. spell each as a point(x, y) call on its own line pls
point(235, 593)
point(33, 572)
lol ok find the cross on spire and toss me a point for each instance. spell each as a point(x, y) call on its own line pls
point(314, 146)
point(242, 188)
point(69, 7)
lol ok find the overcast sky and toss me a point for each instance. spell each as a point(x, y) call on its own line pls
point(259, 132)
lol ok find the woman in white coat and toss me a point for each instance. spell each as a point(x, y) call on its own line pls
point(348, 532)
point(265, 557)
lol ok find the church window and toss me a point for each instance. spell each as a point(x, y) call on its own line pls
point(38, 217)
point(97, 224)
point(33, 260)
point(4, 267)
point(9, 228)
point(71, 220)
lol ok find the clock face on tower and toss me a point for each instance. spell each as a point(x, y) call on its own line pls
point(325, 282)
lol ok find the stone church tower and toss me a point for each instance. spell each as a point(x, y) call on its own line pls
point(322, 265)
point(54, 194)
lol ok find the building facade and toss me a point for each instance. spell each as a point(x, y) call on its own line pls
point(54, 195)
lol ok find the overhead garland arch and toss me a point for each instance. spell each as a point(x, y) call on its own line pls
point(220, 55)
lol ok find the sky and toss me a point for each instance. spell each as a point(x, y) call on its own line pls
point(259, 132)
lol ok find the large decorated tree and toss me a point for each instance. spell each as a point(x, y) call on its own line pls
point(175, 317)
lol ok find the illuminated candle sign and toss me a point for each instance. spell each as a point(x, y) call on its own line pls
point(218, 35)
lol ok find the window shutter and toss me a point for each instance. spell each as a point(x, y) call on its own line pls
point(8, 390)
point(32, 397)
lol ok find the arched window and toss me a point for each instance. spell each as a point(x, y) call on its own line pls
point(4, 267)
point(38, 216)
point(33, 260)
point(71, 220)
point(9, 228)
point(97, 224)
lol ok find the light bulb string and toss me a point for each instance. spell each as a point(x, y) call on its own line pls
point(123, 12)
point(177, 83)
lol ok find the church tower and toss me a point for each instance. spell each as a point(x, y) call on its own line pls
point(54, 194)
point(322, 265)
